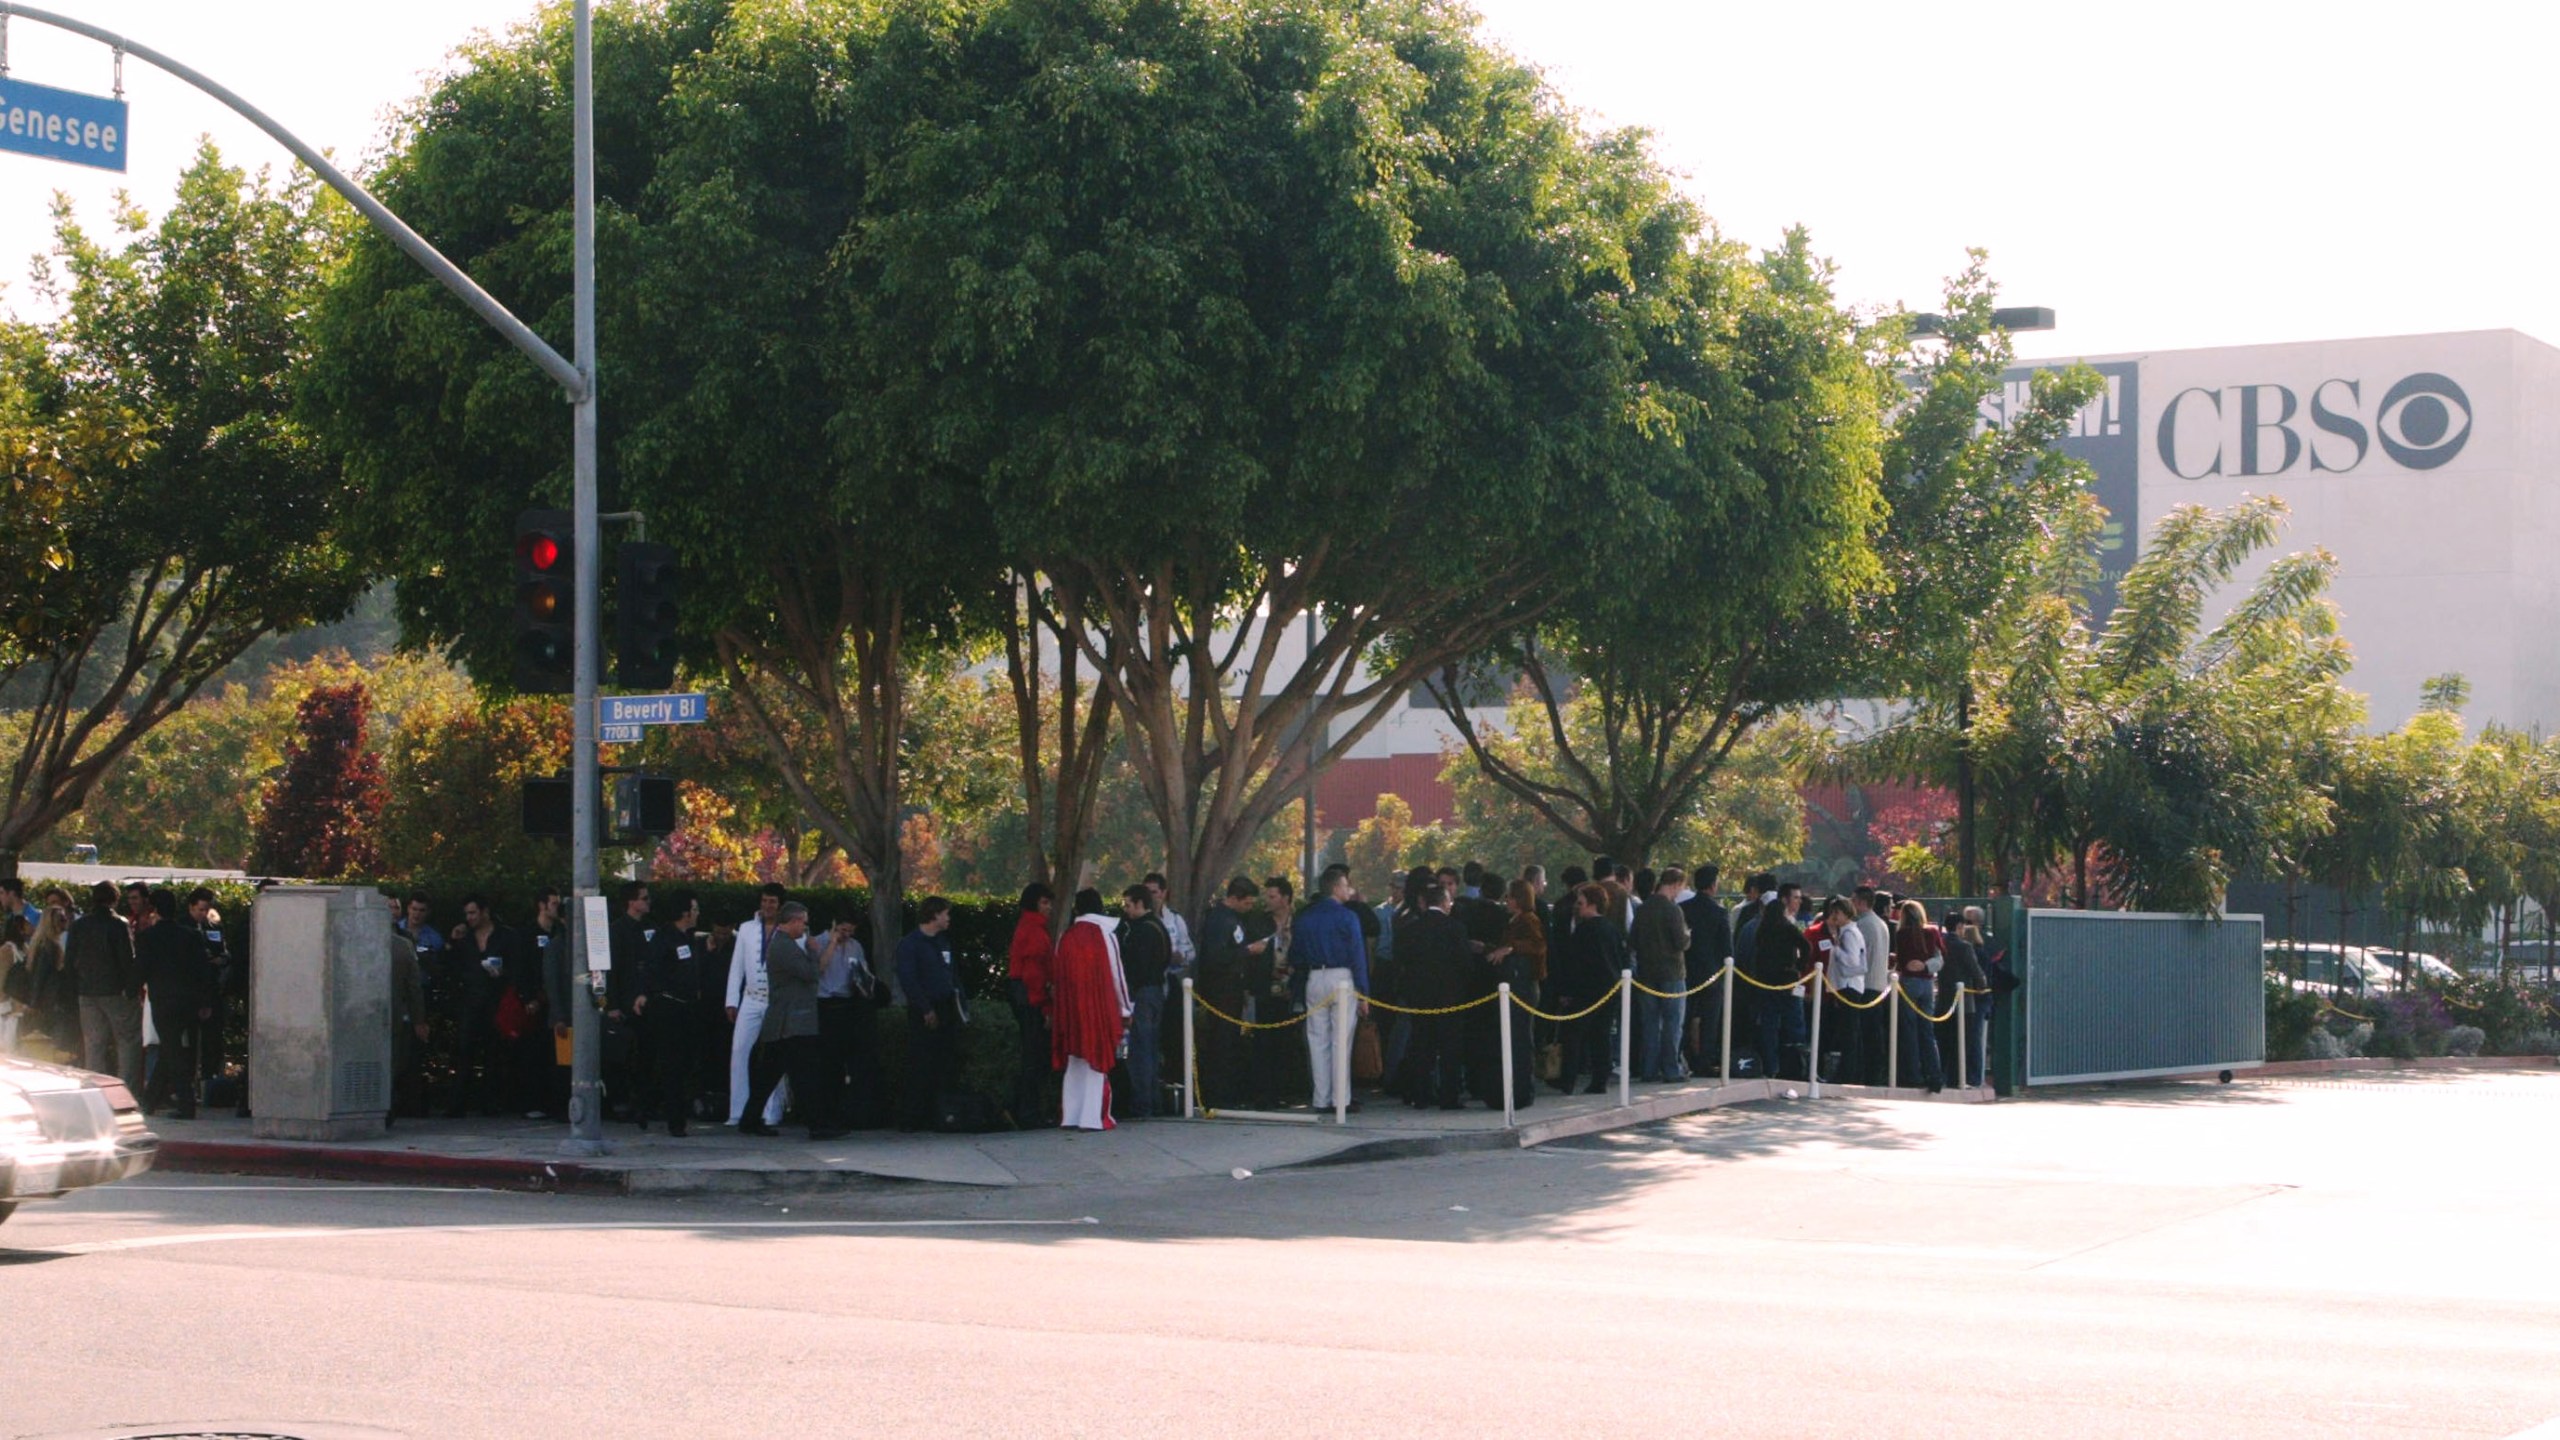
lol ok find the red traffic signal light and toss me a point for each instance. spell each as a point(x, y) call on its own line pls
point(546, 603)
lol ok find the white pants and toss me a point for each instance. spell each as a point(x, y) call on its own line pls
point(1088, 1097)
point(1323, 1035)
point(742, 1043)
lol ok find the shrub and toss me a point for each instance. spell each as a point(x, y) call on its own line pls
point(2292, 1015)
point(2409, 1025)
point(2538, 1042)
point(2464, 1040)
point(2328, 1044)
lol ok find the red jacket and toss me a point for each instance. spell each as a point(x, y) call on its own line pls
point(1090, 1006)
point(1028, 959)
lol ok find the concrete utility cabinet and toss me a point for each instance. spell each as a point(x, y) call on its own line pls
point(320, 1013)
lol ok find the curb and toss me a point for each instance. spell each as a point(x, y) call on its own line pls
point(326, 1162)
point(526, 1176)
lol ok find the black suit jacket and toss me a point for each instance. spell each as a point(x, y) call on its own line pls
point(176, 967)
point(1432, 959)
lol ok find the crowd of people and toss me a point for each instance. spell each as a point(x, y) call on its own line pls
point(769, 1018)
point(137, 983)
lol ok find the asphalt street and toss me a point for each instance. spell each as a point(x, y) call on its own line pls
point(2355, 1257)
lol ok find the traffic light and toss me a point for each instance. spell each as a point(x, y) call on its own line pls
point(546, 806)
point(644, 808)
point(546, 603)
point(644, 616)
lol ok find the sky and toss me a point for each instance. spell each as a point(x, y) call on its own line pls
point(2161, 174)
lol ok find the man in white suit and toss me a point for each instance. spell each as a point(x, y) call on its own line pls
point(749, 992)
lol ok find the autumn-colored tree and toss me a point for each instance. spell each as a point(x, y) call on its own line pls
point(711, 844)
point(1388, 842)
point(320, 818)
point(190, 792)
point(456, 770)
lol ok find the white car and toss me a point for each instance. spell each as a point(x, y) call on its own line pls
point(63, 1129)
point(2349, 970)
point(2428, 965)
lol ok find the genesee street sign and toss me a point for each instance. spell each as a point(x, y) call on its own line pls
point(62, 125)
point(652, 709)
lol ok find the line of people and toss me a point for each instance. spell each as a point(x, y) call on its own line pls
point(769, 1017)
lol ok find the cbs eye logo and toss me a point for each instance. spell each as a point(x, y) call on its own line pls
point(2425, 420)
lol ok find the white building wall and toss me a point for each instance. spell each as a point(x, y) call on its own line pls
point(2442, 543)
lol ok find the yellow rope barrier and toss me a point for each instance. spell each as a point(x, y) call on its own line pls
point(1612, 994)
point(1842, 996)
point(2347, 1014)
point(1643, 988)
point(1443, 1010)
point(1746, 979)
point(1923, 1014)
point(1298, 1018)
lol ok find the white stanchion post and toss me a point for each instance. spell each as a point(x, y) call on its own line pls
point(1346, 1024)
point(1190, 1053)
point(1813, 1056)
point(1962, 1025)
point(1724, 1074)
point(1626, 1037)
point(1893, 1033)
point(1502, 998)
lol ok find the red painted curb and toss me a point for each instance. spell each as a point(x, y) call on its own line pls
point(328, 1162)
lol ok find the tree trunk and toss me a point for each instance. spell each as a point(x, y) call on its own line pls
point(1060, 818)
point(820, 616)
point(1215, 731)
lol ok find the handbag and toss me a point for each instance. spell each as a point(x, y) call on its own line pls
point(1551, 1061)
point(1368, 1058)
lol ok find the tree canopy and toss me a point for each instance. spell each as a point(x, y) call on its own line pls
point(165, 507)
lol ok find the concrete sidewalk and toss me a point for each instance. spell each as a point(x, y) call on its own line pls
point(526, 1154)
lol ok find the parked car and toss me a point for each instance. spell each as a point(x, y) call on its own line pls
point(63, 1129)
point(2329, 967)
point(2397, 961)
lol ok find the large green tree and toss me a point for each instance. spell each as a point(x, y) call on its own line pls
point(164, 509)
point(730, 179)
point(1846, 529)
point(1243, 316)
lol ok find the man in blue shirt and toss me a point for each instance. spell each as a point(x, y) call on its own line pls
point(1328, 945)
point(935, 1012)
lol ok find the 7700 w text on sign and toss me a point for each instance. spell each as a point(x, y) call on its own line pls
point(62, 125)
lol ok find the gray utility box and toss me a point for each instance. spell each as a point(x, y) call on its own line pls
point(320, 1013)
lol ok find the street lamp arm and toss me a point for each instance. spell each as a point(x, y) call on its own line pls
point(502, 319)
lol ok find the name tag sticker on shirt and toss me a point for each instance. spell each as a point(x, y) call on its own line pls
point(599, 938)
point(684, 952)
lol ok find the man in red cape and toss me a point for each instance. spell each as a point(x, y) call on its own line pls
point(1088, 1012)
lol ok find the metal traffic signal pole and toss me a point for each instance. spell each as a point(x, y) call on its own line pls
point(586, 1092)
point(586, 1123)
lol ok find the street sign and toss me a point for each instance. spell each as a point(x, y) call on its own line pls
point(620, 734)
point(62, 125)
point(652, 709)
